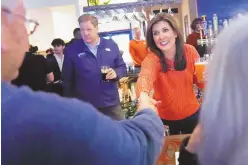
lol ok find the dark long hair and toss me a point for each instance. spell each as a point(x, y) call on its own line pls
point(180, 60)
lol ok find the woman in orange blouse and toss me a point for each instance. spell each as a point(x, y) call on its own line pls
point(169, 70)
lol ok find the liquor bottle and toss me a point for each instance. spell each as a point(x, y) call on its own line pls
point(215, 23)
point(225, 23)
point(220, 23)
point(210, 32)
point(240, 15)
point(205, 25)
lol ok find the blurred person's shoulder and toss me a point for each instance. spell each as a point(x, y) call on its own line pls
point(151, 60)
point(131, 42)
point(75, 45)
point(151, 56)
point(109, 46)
point(108, 42)
point(191, 35)
point(49, 56)
point(34, 59)
point(188, 47)
point(39, 59)
point(190, 51)
point(38, 56)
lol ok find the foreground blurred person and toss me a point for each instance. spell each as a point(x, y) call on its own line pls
point(40, 128)
point(169, 69)
point(221, 138)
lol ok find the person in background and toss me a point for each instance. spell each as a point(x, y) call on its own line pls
point(121, 52)
point(221, 137)
point(33, 49)
point(42, 128)
point(49, 51)
point(55, 63)
point(77, 34)
point(169, 70)
point(34, 71)
point(192, 38)
point(137, 48)
point(81, 75)
point(196, 27)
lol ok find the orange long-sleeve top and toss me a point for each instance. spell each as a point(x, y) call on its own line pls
point(138, 51)
point(173, 88)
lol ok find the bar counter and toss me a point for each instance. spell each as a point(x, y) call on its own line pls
point(170, 148)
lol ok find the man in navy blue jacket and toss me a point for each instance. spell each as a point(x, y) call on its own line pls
point(44, 129)
point(81, 73)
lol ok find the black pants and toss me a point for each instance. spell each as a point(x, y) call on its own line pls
point(184, 126)
point(115, 112)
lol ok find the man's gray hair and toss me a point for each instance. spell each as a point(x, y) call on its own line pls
point(224, 114)
point(88, 17)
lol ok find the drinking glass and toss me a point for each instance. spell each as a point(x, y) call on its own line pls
point(104, 71)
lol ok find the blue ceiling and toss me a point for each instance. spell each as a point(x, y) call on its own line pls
point(223, 8)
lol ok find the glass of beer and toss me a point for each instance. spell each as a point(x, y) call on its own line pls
point(200, 69)
point(104, 71)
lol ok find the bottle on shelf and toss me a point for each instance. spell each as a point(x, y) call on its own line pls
point(225, 23)
point(166, 130)
point(210, 32)
point(220, 22)
point(220, 28)
point(240, 15)
point(205, 25)
point(201, 35)
point(215, 24)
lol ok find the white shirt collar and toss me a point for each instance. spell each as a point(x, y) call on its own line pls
point(56, 55)
point(59, 60)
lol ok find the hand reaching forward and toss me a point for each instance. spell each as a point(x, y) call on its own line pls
point(146, 102)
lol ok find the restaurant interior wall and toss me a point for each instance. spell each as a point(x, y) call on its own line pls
point(44, 34)
point(57, 18)
point(32, 4)
point(185, 18)
point(55, 22)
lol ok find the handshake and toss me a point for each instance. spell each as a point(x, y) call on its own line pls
point(147, 102)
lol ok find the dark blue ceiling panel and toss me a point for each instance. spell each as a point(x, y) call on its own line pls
point(223, 8)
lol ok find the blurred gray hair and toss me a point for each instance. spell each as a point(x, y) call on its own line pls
point(224, 114)
point(135, 28)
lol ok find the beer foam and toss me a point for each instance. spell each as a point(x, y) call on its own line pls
point(104, 70)
point(201, 63)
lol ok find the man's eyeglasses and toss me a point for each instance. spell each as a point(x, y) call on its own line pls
point(30, 24)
